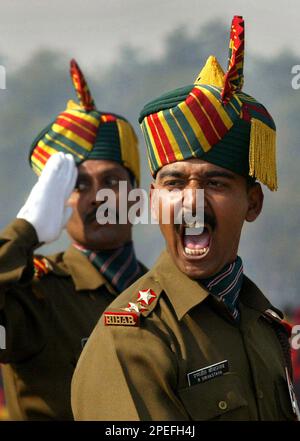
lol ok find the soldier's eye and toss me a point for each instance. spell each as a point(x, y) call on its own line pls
point(81, 186)
point(112, 181)
point(213, 183)
point(173, 184)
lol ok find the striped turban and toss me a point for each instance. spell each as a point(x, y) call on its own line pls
point(214, 120)
point(87, 133)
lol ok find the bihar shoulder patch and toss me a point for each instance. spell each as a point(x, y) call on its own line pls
point(112, 318)
point(41, 267)
point(131, 314)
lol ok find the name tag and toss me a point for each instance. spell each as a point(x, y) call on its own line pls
point(208, 373)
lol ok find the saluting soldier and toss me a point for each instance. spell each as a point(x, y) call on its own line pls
point(49, 305)
point(195, 339)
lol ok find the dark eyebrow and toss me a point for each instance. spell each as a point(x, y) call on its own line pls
point(110, 171)
point(82, 175)
point(173, 174)
point(104, 173)
point(219, 174)
point(207, 174)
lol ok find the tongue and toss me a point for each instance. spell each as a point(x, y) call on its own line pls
point(196, 242)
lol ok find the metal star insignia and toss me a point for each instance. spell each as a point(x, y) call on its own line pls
point(145, 296)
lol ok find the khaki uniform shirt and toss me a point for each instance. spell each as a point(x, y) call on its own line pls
point(185, 360)
point(47, 322)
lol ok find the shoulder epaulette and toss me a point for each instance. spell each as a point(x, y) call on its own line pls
point(275, 317)
point(41, 266)
point(143, 302)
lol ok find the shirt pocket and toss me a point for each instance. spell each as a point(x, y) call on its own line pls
point(283, 400)
point(220, 398)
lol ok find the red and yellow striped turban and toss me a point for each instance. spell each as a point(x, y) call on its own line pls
point(87, 133)
point(214, 120)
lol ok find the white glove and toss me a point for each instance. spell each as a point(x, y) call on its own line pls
point(45, 208)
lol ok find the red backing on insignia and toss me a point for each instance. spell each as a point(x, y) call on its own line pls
point(121, 319)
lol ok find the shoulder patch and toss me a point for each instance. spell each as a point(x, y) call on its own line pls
point(130, 315)
point(112, 318)
point(41, 267)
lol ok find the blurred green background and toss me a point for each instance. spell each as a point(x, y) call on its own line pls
point(39, 87)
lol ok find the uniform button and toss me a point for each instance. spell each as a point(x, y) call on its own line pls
point(222, 405)
point(260, 394)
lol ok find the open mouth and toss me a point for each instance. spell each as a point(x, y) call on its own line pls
point(196, 244)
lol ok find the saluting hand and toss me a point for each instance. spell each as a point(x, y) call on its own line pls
point(45, 208)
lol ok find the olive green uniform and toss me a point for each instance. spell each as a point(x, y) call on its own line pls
point(143, 372)
point(47, 321)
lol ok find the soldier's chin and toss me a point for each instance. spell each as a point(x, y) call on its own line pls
point(95, 223)
point(107, 237)
point(195, 272)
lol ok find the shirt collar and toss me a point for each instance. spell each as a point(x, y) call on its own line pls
point(85, 276)
point(185, 293)
point(176, 285)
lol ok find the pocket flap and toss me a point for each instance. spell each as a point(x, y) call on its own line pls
point(213, 398)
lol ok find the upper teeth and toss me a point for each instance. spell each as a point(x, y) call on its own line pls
point(195, 252)
point(196, 224)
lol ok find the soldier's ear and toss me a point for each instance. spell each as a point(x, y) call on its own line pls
point(255, 202)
